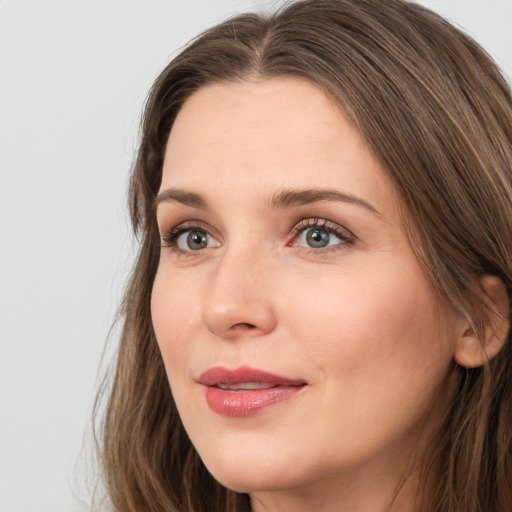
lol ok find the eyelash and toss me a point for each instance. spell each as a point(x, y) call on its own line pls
point(345, 236)
point(170, 239)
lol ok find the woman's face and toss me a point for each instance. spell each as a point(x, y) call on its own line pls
point(303, 342)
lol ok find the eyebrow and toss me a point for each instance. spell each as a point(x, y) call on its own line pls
point(281, 199)
point(288, 198)
point(181, 196)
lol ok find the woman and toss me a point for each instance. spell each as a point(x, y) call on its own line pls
point(319, 315)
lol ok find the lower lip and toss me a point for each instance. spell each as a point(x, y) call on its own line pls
point(249, 402)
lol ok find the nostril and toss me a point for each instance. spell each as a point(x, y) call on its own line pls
point(243, 327)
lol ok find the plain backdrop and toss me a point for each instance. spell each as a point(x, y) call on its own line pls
point(73, 78)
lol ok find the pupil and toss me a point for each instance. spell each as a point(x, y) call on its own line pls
point(196, 240)
point(317, 238)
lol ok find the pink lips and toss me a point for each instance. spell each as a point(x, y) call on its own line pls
point(245, 391)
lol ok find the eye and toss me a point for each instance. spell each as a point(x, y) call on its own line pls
point(317, 238)
point(192, 240)
point(321, 234)
point(187, 238)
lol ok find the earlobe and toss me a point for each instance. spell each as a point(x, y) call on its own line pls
point(474, 349)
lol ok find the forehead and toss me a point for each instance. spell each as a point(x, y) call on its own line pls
point(268, 134)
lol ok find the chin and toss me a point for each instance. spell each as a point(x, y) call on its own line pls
point(250, 480)
point(250, 470)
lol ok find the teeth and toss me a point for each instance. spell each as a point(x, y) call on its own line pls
point(243, 386)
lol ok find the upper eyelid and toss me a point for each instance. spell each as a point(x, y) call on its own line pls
point(322, 223)
point(314, 222)
point(186, 225)
point(303, 223)
point(298, 225)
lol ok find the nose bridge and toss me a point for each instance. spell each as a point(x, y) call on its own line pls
point(239, 299)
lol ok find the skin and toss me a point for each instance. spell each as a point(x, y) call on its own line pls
point(358, 321)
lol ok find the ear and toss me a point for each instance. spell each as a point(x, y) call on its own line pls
point(473, 350)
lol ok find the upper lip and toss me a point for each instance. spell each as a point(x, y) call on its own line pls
point(219, 375)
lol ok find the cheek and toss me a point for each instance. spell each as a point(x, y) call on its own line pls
point(174, 308)
point(174, 312)
point(379, 352)
point(374, 327)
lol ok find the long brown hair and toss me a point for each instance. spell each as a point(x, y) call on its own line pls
point(437, 113)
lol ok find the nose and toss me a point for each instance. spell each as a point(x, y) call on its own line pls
point(238, 302)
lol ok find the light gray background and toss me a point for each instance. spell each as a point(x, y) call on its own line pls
point(73, 77)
